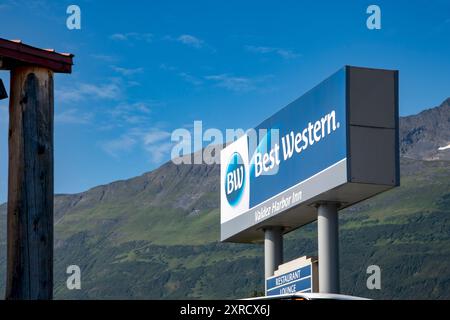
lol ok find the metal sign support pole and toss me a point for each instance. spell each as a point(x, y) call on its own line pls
point(273, 250)
point(328, 238)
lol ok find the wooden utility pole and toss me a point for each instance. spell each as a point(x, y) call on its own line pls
point(30, 176)
point(30, 185)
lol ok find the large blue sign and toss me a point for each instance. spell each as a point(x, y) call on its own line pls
point(334, 143)
point(302, 140)
point(299, 280)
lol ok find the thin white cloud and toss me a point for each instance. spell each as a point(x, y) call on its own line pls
point(190, 78)
point(115, 147)
point(131, 114)
point(73, 116)
point(284, 53)
point(287, 54)
point(132, 36)
point(131, 84)
point(156, 143)
point(104, 57)
point(118, 37)
point(156, 136)
point(83, 91)
point(183, 75)
point(166, 67)
point(159, 152)
point(232, 83)
point(127, 71)
point(190, 40)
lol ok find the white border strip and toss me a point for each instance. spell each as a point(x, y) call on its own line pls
point(303, 181)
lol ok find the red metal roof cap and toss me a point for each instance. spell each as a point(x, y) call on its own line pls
point(15, 53)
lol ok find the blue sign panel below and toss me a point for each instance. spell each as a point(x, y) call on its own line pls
point(299, 280)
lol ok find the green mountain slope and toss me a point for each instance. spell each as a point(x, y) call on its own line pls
point(156, 236)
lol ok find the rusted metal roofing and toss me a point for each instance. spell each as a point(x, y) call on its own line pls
point(15, 53)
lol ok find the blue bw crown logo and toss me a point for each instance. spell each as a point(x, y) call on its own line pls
point(235, 179)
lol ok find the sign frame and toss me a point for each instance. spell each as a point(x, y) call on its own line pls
point(370, 165)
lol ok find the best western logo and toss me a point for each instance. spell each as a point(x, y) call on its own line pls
point(235, 179)
point(294, 143)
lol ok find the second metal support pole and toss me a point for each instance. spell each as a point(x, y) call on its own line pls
point(328, 238)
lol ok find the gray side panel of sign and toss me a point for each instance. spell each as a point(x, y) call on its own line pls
point(373, 155)
point(373, 126)
point(372, 97)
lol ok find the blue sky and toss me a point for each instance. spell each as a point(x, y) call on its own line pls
point(146, 68)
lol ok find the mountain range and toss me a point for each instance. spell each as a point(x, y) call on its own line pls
point(156, 236)
point(426, 135)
